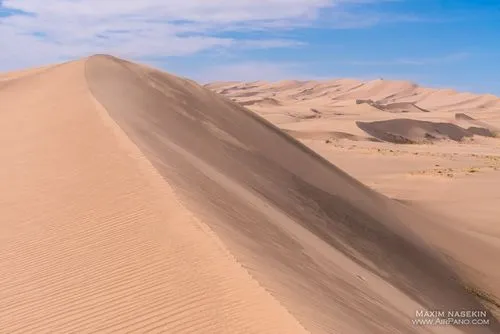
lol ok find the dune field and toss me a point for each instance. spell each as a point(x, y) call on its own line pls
point(362, 126)
point(134, 201)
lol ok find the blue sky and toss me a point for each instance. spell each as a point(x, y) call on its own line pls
point(437, 43)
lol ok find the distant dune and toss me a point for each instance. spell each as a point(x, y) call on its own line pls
point(495, 131)
point(327, 136)
point(267, 101)
point(363, 102)
point(410, 131)
point(137, 201)
point(398, 107)
point(396, 96)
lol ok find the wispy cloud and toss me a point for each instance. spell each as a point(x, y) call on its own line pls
point(62, 29)
point(359, 19)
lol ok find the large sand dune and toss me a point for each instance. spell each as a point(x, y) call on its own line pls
point(136, 201)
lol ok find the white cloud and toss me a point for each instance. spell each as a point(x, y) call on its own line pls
point(220, 11)
point(57, 30)
point(62, 29)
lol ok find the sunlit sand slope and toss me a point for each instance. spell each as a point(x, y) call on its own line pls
point(92, 240)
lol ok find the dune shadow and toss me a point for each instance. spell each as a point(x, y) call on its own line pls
point(411, 131)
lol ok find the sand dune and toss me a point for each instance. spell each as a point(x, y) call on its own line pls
point(382, 92)
point(403, 107)
point(142, 202)
point(327, 136)
point(481, 124)
point(93, 239)
point(267, 101)
point(410, 131)
point(457, 181)
point(398, 107)
point(344, 102)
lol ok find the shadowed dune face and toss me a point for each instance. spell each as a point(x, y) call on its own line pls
point(262, 102)
point(481, 127)
point(481, 132)
point(403, 107)
point(398, 107)
point(327, 135)
point(411, 131)
point(463, 117)
point(329, 249)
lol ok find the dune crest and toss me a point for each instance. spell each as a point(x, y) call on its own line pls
point(145, 202)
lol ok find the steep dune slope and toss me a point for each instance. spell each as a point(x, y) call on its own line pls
point(333, 252)
point(92, 240)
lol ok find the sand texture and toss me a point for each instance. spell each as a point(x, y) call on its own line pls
point(437, 152)
point(134, 201)
point(93, 239)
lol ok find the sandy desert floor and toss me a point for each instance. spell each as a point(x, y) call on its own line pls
point(134, 201)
